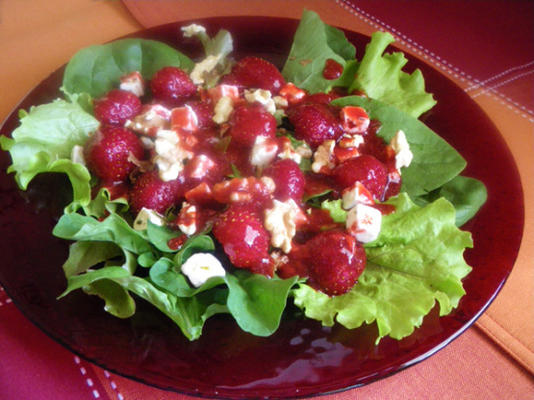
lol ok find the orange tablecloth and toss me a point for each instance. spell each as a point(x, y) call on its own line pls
point(493, 360)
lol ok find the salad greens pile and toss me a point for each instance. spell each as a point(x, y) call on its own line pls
point(416, 260)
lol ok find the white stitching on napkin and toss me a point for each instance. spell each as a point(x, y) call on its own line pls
point(433, 58)
point(88, 381)
point(113, 385)
point(492, 88)
point(499, 75)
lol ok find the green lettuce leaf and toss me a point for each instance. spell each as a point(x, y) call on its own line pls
point(257, 302)
point(435, 162)
point(416, 261)
point(380, 77)
point(467, 195)
point(97, 69)
point(314, 43)
point(44, 141)
point(112, 229)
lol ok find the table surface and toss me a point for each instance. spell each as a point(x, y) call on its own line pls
point(485, 47)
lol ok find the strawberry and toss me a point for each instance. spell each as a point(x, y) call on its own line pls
point(336, 261)
point(111, 151)
point(288, 178)
point(172, 85)
point(149, 191)
point(204, 112)
point(249, 121)
point(245, 241)
point(314, 123)
point(254, 72)
point(322, 98)
point(366, 169)
point(116, 107)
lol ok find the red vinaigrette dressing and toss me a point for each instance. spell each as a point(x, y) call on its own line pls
point(332, 69)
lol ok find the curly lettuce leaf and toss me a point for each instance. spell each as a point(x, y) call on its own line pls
point(435, 162)
point(416, 261)
point(97, 69)
point(314, 43)
point(112, 229)
point(43, 143)
point(380, 77)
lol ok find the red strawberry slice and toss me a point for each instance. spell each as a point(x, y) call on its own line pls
point(314, 123)
point(254, 72)
point(245, 241)
point(172, 85)
point(116, 107)
point(289, 179)
point(248, 122)
point(111, 151)
point(336, 261)
point(366, 169)
point(150, 192)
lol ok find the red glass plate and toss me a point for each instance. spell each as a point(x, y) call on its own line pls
point(301, 358)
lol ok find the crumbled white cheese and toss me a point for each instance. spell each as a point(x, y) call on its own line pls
point(354, 119)
point(262, 96)
point(202, 266)
point(193, 30)
point(222, 90)
point(364, 222)
point(133, 83)
point(356, 194)
point(145, 215)
point(263, 151)
point(323, 156)
point(184, 118)
point(76, 155)
point(223, 109)
point(404, 156)
point(281, 222)
point(187, 219)
point(170, 155)
point(200, 165)
point(204, 67)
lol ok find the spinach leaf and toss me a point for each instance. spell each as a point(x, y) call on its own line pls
point(97, 69)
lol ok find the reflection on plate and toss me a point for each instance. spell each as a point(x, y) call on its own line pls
point(302, 358)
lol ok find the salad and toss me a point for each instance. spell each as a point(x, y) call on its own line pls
point(227, 186)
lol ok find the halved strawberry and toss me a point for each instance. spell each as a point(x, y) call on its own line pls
point(172, 85)
point(116, 107)
point(111, 151)
point(149, 191)
point(255, 72)
point(336, 261)
point(288, 178)
point(314, 123)
point(245, 241)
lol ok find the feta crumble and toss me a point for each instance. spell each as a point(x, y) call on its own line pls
point(263, 151)
point(141, 220)
point(404, 155)
point(202, 266)
point(364, 222)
